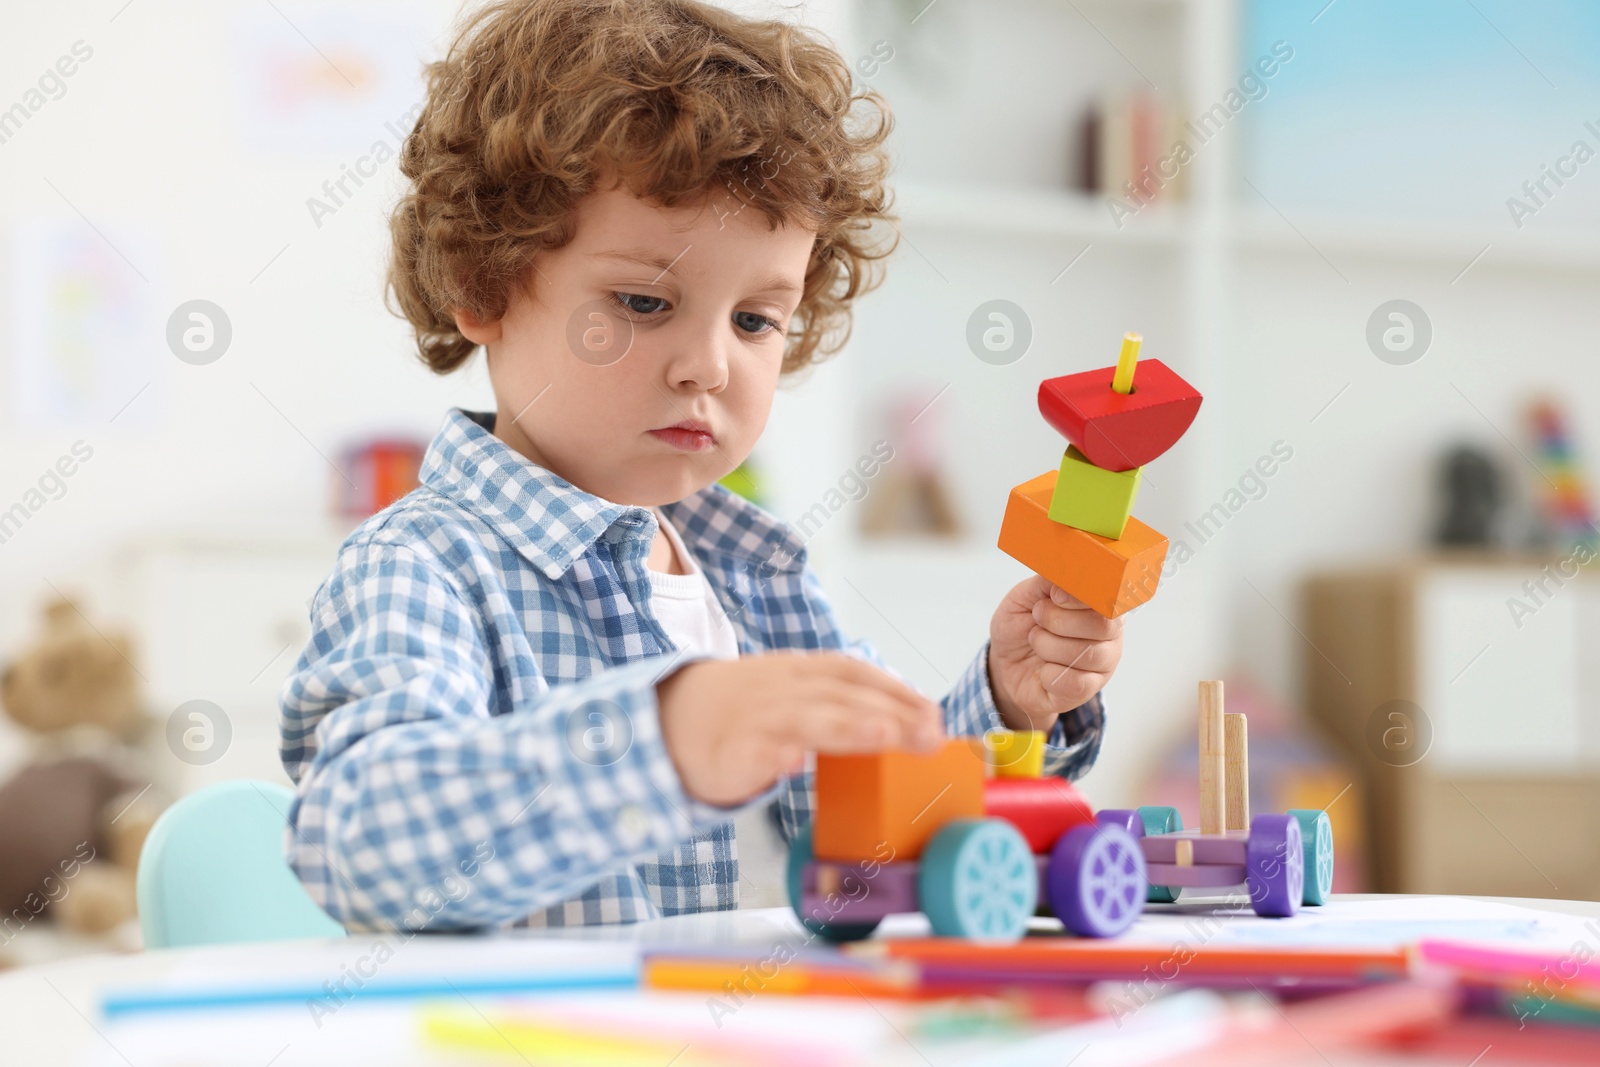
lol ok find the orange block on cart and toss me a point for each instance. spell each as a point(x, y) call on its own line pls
point(1110, 575)
point(885, 806)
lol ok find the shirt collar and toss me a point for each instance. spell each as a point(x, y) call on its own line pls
point(551, 522)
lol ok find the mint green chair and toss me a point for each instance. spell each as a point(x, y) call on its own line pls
point(212, 872)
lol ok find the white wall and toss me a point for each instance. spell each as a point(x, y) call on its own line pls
point(146, 144)
point(147, 140)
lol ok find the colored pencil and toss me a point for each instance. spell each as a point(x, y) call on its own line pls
point(795, 979)
point(1271, 1035)
point(1485, 1041)
point(525, 1039)
point(1559, 1009)
point(132, 1001)
point(1082, 959)
point(845, 977)
point(1475, 961)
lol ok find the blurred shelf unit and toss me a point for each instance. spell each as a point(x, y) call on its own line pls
point(989, 145)
point(1467, 690)
point(1043, 213)
point(1264, 231)
point(1067, 215)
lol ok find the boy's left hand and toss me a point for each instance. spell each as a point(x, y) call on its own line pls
point(1048, 653)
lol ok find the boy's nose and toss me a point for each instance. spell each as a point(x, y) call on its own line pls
point(699, 361)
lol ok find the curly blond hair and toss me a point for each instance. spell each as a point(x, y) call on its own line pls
point(538, 100)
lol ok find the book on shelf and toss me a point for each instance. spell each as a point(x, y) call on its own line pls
point(1128, 148)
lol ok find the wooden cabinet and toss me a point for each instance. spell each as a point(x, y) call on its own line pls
point(1467, 690)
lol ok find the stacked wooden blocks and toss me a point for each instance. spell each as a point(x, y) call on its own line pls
point(1075, 525)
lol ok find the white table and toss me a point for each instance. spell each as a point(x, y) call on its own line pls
point(49, 1013)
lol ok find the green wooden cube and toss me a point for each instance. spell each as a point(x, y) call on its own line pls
point(1092, 499)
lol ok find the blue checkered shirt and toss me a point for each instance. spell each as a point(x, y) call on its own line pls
point(472, 725)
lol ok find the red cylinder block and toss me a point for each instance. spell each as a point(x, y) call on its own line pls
point(1041, 808)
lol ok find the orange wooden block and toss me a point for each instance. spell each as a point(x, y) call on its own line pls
point(1109, 575)
point(885, 806)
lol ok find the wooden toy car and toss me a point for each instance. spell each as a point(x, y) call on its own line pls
point(973, 836)
point(1283, 861)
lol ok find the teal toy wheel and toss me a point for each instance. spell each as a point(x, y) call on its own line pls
point(799, 855)
point(1317, 833)
point(978, 880)
point(1160, 819)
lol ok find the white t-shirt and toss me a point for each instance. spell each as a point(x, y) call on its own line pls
point(688, 610)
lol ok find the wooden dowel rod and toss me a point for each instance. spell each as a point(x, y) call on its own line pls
point(1237, 768)
point(1213, 772)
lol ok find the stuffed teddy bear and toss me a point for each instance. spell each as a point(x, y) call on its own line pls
point(74, 817)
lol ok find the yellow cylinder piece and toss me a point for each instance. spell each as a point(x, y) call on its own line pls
point(1016, 753)
point(1127, 360)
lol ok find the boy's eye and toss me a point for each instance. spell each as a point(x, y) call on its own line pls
point(750, 322)
point(638, 303)
point(641, 304)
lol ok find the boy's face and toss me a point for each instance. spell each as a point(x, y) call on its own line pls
point(642, 367)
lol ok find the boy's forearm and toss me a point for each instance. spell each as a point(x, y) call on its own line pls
point(474, 821)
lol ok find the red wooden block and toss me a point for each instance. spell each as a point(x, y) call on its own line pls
point(1042, 808)
point(1118, 431)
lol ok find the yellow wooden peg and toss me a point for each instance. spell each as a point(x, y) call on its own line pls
point(1127, 359)
point(1016, 753)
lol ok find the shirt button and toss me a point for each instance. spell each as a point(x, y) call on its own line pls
point(633, 824)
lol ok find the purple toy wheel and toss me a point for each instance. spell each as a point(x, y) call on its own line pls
point(1096, 880)
point(1275, 865)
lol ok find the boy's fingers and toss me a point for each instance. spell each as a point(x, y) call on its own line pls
point(791, 758)
point(845, 721)
point(835, 728)
point(1063, 686)
point(1064, 598)
point(1078, 621)
point(1073, 652)
point(1031, 588)
point(850, 669)
point(918, 725)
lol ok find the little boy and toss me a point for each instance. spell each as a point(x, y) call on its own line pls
point(566, 679)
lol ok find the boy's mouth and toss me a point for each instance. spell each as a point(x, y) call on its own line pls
point(686, 436)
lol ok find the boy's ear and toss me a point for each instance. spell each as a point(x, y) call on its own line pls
point(473, 329)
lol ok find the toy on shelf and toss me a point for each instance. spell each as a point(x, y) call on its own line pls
point(746, 481)
point(973, 836)
point(1567, 510)
point(381, 471)
point(912, 496)
point(1283, 861)
point(1075, 526)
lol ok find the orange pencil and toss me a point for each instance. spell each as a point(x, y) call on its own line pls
point(795, 979)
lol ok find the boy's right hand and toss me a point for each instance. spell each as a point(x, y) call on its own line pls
point(734, 727)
